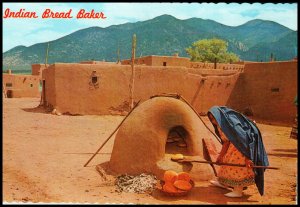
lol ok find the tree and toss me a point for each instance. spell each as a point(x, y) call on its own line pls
point(210, 50)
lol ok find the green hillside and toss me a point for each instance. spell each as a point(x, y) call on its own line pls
point(163, 35)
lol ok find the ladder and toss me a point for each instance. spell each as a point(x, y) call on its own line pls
point(4, 91)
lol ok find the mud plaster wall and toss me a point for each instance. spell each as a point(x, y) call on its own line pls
point(269, 89)
point(215, 90)
point(202, 92)
point(96, 62)
point(140, 141)
point(37, 69)
point(203, 88)
point(222, 66)
point(21, 85)
point(140, 61)
point(48, 76)
point(75, 93)
point(206, 72)
point(160, 60)
point(170, 61)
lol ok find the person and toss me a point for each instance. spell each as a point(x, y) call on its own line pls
point(241, 144)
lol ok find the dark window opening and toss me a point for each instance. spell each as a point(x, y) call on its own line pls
point(9, 94)
point(94, 83)
point(31, 85)
point(164, 63)
point(8, 84)
point(94, 79)
point(275, 89)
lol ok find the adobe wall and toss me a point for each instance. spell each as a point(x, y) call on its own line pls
point(21, 85)
point(75, 94)
point(215, 90)
point(251, 89)
point(221, 66)
point(147, 60)
point(70, 90)
point(96, 62)
point(268, 89)
point(154, 60)
point(37, 69)
point(48, 77)
point(170, 61)
point(206, 72)
point(201, 91)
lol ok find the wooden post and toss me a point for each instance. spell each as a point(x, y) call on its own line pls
point(111, 135)
point(4, 91)
point(46, 58)
point(271, 58)
point(132, 71)
point(215, 63)
point(118, 53)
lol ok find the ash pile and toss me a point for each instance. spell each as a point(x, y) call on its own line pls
point(142, 183)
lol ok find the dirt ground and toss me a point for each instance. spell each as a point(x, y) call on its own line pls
point(44, 154)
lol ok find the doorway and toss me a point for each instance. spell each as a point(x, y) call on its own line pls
point(9, 94)
point(44, 93)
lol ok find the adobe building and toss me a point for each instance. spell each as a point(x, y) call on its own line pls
point(154, 60)
point(267, 90)
point(37, 69)
point(264, 91)
point(95, 62)
point(19, 86)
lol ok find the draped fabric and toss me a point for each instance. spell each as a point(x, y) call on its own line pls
point(245, 136)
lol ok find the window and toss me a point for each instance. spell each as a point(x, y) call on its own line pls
point(94, 79)
point(31, 85)
point(164, 63)
point(8, 84)
point(275, 89)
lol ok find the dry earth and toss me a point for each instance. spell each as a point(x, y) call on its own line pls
point(44, 154)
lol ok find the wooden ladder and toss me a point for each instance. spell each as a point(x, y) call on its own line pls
point(4, 90)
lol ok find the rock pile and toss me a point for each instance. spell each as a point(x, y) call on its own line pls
point(142, 183)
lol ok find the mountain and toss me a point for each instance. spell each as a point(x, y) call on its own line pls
point(163, 35)
point(283, 49)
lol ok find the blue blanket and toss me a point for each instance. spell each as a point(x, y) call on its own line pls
point(245, 136)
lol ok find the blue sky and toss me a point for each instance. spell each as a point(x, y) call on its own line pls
point(27, 32)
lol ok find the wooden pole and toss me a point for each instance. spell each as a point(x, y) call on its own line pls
point(4, 91)
point(178, 96)
point(132, 70)
point(118, 53)
point(199, 117)
point(207, 156)
point(111, 135)
point(227, 164)
point(46, 59)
